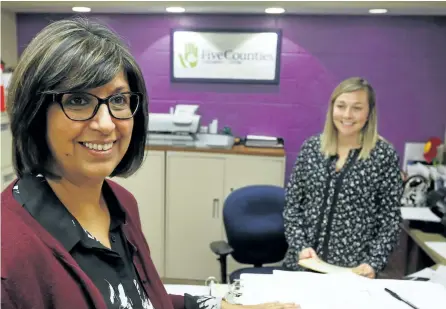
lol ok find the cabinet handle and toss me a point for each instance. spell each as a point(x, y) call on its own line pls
point(217, 202)
point(213, 207)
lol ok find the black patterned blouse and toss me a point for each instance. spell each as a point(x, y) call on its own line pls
point(348, 217)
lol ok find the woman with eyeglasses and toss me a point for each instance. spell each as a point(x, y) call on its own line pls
point(71, 238)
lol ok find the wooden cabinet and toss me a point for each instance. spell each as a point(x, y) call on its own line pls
point(7, 176)
point(196, 187)
point(194, 196)
point(148, 187)
point(242, 171)
point(7, 170)
point(6, 141)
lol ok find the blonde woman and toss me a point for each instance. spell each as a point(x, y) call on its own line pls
point(342, 199)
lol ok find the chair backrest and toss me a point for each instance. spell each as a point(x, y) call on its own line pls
point(254, 225)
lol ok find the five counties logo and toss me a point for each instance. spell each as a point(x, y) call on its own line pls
point(189, 58)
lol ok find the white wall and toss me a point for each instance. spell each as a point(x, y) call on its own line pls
point(9, 48)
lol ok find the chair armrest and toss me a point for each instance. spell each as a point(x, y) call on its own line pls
point(221, 248)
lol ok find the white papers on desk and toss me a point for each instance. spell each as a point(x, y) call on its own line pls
point(424, 295)
point(438, 246)
point(180, 289)
point(434, 276)
point(321, 291)
point(339, 291)
point(419, 213)
point(439, 276)
point(258, 289)
point(217, 290)
point(424, 273)
point(318, 265)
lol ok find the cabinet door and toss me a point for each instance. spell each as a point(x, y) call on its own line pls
point(242, 171)
point(6, 141)
point(7, 176)
point(194, 191)
point(253, 170)
point(148, 187)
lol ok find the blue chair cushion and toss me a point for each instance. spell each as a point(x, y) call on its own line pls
point(254, 224)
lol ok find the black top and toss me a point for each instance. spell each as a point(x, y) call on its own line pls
point(348, 217)
point(111, 270)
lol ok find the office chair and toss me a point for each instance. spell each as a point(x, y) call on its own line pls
point(253, 222)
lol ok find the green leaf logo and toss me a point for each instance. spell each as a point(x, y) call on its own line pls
point(189, 58)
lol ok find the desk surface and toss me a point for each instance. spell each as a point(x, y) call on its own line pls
point(237, 150)
point(420, 238)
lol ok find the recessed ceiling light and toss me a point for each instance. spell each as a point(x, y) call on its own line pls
point(175, 9)
point(274, 10)
point(378, 11)
point(82, 9)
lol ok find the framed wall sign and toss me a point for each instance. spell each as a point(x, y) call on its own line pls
point(225, 55)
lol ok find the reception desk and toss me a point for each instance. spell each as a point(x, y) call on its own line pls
point(418, 254)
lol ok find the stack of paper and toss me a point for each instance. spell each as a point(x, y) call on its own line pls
point(439, 276)
point(419, 213)
point(318, 265)
point(339, 291)
point(259, 289)
point(262, 141)
point(180, 289)
point(425, 273)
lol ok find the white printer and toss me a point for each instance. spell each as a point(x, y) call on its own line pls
point(181, 127)
point(177, 128)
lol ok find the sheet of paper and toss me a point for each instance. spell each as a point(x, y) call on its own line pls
point(180, 289)
point(438, 246)
point(219, 290)
point(322, 291)
point(424, 273)
point(439, 276)
point(424, 295)
point(340, 291)
point(322, 267)
point(258, 289)
point(419, 213)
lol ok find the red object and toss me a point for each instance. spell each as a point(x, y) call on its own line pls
point(2, 92)
point(430, 149)
point(37, 272)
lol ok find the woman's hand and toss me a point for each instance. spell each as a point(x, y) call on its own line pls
point(307, 253)
point(276, 305)
point(365, 270)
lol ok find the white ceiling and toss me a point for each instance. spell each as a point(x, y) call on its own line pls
point(232, 7)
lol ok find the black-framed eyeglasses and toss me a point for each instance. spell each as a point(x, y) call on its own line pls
point(81, 106)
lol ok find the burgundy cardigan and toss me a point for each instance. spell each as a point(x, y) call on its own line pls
point(37, 272)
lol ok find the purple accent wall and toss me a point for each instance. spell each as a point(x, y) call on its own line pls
point(404, 58)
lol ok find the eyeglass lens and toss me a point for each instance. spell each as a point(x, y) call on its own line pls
point(81, 106)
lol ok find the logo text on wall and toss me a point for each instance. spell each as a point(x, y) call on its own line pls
point(191, 56)
point(225, 55)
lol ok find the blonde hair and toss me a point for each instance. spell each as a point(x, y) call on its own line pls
point(369, 133)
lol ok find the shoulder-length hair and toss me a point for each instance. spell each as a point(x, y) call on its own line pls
point(369, 133)
point(68, 55)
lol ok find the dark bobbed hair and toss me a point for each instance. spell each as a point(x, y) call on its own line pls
point(69, 55)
